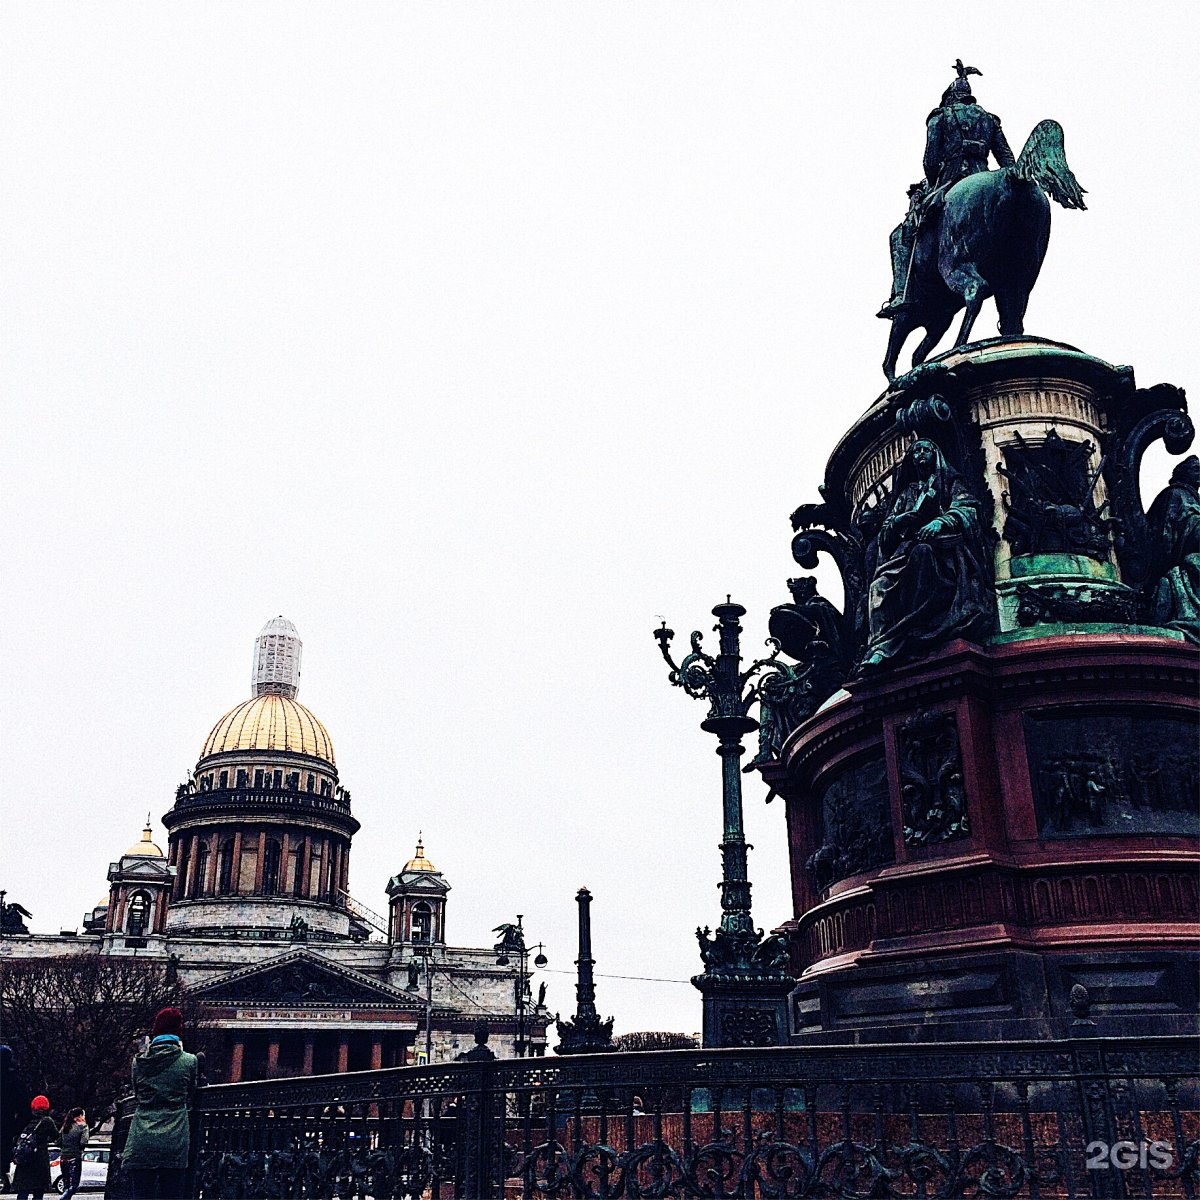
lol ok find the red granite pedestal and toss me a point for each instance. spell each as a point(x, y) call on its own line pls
point(1061, 771)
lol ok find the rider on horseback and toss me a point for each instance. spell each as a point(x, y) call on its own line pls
point(959, 137)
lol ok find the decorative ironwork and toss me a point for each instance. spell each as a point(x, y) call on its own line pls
point(931, 780)
point(729, 955)
point(923, 1120)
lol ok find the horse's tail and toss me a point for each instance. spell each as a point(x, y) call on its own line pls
point(1043, 162)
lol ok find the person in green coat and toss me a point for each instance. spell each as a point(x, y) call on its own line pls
point(164, 1084)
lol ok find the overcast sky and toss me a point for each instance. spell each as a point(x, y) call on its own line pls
point(472, 337)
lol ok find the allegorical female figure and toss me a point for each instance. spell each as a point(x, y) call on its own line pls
point(1174, 583)
point(931, 579)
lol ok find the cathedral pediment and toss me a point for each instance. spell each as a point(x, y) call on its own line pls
point(302, 977)
point(141, 868)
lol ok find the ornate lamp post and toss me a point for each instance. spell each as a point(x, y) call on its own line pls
point(512, 945)
point(422, 951)
point(745, 981)
point(586, 1034)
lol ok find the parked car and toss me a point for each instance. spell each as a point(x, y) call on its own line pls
point(94, 1174)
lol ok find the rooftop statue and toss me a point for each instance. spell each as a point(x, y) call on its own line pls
point(971, 233)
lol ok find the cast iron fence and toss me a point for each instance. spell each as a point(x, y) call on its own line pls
point(1085, 1117)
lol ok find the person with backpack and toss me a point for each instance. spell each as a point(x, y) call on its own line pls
point(31, 1179)
point(164, 1084)
point(73, 1138)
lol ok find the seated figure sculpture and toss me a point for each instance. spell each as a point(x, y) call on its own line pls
point(1174, 583)
point(930, 582)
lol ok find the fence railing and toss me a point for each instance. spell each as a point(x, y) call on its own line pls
point(1086, 1117)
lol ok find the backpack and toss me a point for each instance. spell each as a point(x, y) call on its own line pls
point(25, 1151)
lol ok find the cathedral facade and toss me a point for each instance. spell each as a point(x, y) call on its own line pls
point(249, 907)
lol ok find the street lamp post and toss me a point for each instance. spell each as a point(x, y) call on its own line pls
point(745, 981)
point(424, 951)
point(512, 945)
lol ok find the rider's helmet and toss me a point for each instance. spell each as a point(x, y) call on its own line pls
point(959, 92)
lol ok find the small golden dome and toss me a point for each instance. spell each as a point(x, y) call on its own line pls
point(419, 862)
point(271, 721)
point(143, 849)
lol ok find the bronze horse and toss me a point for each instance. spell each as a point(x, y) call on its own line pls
point(990, 241)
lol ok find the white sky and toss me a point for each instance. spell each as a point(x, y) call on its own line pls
point(471, 337)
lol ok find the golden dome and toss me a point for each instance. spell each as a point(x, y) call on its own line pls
point(144, 848)
point(419, 862)
point(271, 721)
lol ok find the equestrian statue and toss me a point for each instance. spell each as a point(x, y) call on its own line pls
point(971, 233)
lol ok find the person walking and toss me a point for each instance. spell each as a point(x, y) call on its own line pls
point(31, 1179)
point(164, 1085)
point(73, 1136)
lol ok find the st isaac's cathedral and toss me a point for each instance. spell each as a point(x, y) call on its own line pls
point(249, 907)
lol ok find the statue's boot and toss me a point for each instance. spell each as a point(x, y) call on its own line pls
point(902, 241)
point(894, 306)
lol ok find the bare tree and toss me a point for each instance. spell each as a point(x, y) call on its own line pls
point(655, 1039)
point(74, 1023)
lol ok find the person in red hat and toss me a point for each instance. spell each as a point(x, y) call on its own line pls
point(164, 1084)
point(32, 1152)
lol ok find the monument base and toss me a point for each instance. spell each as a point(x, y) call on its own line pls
point(744, 1010)
point(1006, 996)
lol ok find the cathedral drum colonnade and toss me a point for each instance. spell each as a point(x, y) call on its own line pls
point(261, 831)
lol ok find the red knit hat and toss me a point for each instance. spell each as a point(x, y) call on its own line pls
point(39, 1104)
point(169, 1020)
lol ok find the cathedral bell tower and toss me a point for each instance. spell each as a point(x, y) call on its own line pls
point(417, 903)
point(139, 891)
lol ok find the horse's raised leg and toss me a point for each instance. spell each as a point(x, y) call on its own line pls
point(973, 288)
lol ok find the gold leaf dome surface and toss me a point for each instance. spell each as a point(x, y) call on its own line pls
point(419, 862)
point(271, 721)
point(145, 848)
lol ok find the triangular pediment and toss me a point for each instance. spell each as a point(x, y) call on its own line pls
point(156, 867)
point(302, 977)
point(141, 868)
point(413, 882)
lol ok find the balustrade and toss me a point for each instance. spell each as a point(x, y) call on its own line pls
point(1032, 1119)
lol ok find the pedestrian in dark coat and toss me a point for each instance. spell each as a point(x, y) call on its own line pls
point(32, 1179)
point(164, 1084)
point(14, 1104)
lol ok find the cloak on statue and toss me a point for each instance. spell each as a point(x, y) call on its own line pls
point(931, 581)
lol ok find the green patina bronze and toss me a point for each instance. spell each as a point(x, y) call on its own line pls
point(971, 234)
